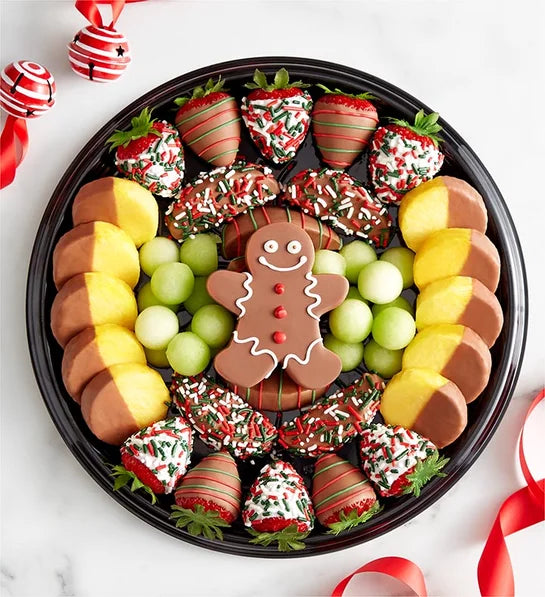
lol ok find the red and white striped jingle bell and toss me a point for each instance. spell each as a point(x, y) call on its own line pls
point(27, 89)
point(99, 54)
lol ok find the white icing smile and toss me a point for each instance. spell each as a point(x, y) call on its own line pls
point(301, 262)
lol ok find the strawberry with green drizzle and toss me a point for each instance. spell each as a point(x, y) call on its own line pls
point(342, 124)
point(343, 498)
point(399, 461)
point(156, 457)
point(277, 115)
point(278, 508)
point(209, 123)
point(222, 419)
point(404, 155)
point(208, 499)
point(151, 154)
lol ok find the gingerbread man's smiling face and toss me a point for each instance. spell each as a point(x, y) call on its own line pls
point(280, 248)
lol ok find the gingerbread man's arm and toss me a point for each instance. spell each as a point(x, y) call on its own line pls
point(332, 290)
point(226, 288)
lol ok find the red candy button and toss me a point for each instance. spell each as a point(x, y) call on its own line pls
point(280, 312)
point(279, 337)
point(279, 288)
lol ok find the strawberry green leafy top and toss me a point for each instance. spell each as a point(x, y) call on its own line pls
point(210, 87)
point(141, 126)
point(366, 95)
point(426, 126)
point(281, 81)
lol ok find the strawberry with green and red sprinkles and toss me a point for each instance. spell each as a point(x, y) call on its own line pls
point(151, 154)
point(209, 497)
point(399, 461)
point(278, 508)
point(404, 155)
point(334, 420)
point(156, 457)
point(337, 197)
point(222, 419)
point(277, 115)
point(218, 196)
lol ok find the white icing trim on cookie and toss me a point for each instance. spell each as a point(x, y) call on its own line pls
point(263, 261)
point(317, 298)
point(248, 285)
point(255, 352)
point(298, 359)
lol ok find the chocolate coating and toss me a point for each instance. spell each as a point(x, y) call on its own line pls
point(466, 208)
point(483, 261)
point(71, 311)
point(483, 313)
point(85, 207)
point(105, 411)
point(237, 233)
point(444, 416)
point(278, 393)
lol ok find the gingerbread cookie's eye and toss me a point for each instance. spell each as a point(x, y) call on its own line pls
point(271, 246)
point(294, 247)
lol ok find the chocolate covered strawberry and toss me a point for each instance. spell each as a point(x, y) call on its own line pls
point(342, 496)
point(278, 508)
point(150, 153)
point(277, 115)
point(399, 461)
point(209, 123)
point(404, 155)
point(208, 499)
point(155, 458)
point(342, 124)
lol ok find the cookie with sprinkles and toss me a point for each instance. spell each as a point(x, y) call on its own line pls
point(209, 123)
point(216, 197)
point(399, 461)
point(278, 508)
point(277, 115)
point(156, 457)
point(150, 153)
point(208, 498)
point(337, 197)
point(342, 124)
point(334, 420)
point(342, 496)
point(404, 155)
point(221, 418)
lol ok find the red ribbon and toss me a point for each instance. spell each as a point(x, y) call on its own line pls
point(14, 130)
point(520, 510)
point(90, 11)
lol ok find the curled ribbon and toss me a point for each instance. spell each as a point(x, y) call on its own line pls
point(90, 11)
point(519, 511)
point(15, 130)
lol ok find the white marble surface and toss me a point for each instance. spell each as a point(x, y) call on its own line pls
point(480, 63)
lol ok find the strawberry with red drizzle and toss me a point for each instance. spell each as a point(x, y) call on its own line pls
point(278, 508)
point(222, 419)
point(209, 123)
point(208, 499)
point(342, 124)
point(343, 498)
point(404, 155)
point(335, 196)
point(277, 115)
point(151, 154)
point(333, 421)
point(155, 458)
point(399, 461)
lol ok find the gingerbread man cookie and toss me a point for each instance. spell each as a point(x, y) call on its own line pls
point(278, 304)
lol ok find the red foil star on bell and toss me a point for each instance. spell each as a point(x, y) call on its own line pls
point(99, 53)
point(27, 90)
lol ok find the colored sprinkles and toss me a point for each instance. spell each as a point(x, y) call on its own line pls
point(335, 196)
point(221, 418)
point(333, 420)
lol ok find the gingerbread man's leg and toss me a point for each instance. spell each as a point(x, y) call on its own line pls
point(237, 364)
point(322, 368)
